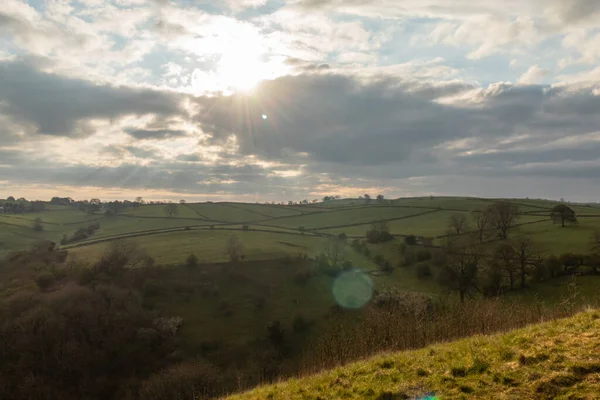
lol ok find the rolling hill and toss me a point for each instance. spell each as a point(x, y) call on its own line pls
point(555, 360)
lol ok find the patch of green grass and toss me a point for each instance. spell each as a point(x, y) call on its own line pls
point(568, 367)
point(210, 245)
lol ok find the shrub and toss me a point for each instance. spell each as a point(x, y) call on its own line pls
point(386, 267)
point(245, 227)
point(423, 255)
point(44, 280)
point(191, 261)
point(182, 381)
point(347, 265)
point(423, 271)
point(152, 287)
point(302, 276)
point(342, 236)
point(300, 324)
point(410, 239)
point(275, 333)
point(37, 225)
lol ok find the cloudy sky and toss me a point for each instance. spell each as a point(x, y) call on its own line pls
point(257, 100)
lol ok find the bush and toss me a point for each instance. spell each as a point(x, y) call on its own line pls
point(423, 271)
point(302, 276)
point(386, 267)
point(152, 287)
point(342, 236)
point(37, 225)
point(44, 280)
point(300, 324)
point(423, 255)
point(347, 265)
point(275, 333)
point(182, 382)
point(410, 239)
point(191, 261)
point(245, 227)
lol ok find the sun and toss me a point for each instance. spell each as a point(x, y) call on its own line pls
point(241, 70)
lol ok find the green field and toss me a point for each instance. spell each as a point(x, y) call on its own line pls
point(166, 239)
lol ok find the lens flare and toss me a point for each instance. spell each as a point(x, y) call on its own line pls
point(352, 289)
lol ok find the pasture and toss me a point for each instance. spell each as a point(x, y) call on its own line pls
point(203, 228)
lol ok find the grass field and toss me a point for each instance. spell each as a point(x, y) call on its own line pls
point(410, 216)
point(559, 359)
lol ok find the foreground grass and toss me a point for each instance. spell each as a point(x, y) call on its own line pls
point(555, 360)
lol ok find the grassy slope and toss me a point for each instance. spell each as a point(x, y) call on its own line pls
point(65, 220)
point(559, 359)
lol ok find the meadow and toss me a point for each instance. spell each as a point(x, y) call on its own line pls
point(171, 239)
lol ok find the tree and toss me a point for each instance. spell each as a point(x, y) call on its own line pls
point(379, 232)
point(234, 248)
point(171, 209)
point(37, 225)
point(595, 241)
point(458, 223)
point(504, 259)
point(459, 270)
point(291, 203)
point(335, 252)
point(563, 213)
point(527, 256)
point(367, 198)
point(380, 198)
point(182, 201)
point(139, 200)
point(10, 198)
point(482, 221)
point(502, 217)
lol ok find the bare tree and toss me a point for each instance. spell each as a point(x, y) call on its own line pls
point(367, 198)
point(458, 223)
point(504, 259)
point(528, 257)
point(335, 251)
point(502, 217)
point(459, 270)
point(234, 248)
point(171, 209)
point(595, 241)
point(482, 222)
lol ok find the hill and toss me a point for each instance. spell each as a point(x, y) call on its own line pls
point(204, 227)
point(555, 360)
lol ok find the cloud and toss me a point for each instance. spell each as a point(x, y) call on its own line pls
point(533, 75)
point(143, 134)
point(60, 106)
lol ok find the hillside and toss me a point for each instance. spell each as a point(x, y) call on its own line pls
point(558, 359)
point(204, 227)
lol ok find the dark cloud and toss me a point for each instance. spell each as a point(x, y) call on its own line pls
point(56, 105)
point(340, 119)
point(143, 134)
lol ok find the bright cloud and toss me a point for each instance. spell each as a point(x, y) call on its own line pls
point(168, 98)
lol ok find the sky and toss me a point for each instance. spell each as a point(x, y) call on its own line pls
point(277, 100)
